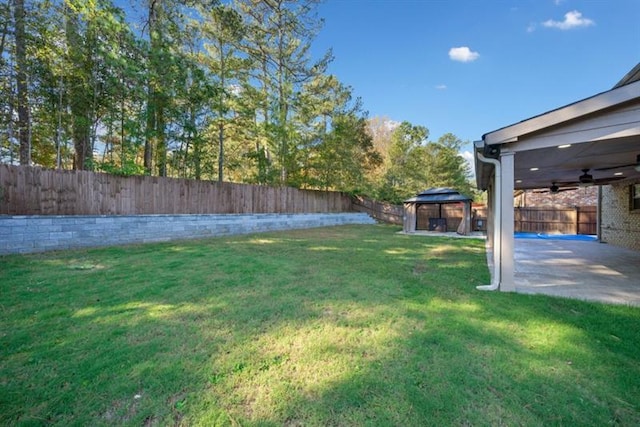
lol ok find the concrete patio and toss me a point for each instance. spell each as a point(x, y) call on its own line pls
point(577, 269)
point(584, 270)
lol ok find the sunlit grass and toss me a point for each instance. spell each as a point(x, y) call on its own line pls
point(353, 325)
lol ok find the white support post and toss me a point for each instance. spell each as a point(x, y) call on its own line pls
point(493, 229)
point(507, 266)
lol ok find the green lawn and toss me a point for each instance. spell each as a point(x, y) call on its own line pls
point(352, 325)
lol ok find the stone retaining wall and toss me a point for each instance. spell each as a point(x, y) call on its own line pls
point(25, 234)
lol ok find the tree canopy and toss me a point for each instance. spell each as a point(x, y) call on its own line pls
point(200, 89)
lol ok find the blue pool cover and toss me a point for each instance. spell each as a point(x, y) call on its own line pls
point(581, 237)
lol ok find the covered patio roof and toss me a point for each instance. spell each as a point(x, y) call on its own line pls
point(594, 141)
point(597, 136)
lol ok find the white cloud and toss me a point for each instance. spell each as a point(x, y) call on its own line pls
point(441, 87)
point(573, 19)
point(463, 54)
point(468, 156)
point(531, 28)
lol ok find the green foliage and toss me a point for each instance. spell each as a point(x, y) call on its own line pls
point(200, 89)
point(412, 163)
point(278, 42)
point(129, 168)
point(336, 152)
point(404, 176)
point(447, 168)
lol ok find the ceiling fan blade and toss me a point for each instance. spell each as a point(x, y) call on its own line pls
point(567, 189)
point(604, 181)
point(615, 167)
point(567, 184)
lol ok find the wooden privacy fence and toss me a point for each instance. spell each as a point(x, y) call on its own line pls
point(385, 212)
point(570, 220)
point(36, 191)
point(552, 219)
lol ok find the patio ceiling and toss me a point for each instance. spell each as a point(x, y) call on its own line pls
point(600, 134)
point(540, 168)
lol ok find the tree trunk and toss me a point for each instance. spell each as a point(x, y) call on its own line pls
point(149, 139)
point(79, 96)
point(24, 121)
point(161, 142)
point(151, 125)
point(5, 31)
point(282, 125)
point(221, 114)
point(221, 151)
point(155, 141)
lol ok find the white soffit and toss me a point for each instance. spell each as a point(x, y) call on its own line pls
point(569, 112)
point(614, 123)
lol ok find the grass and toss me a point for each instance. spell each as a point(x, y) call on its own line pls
point(352, 325)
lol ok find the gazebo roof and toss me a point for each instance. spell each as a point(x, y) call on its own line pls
point(439, 195)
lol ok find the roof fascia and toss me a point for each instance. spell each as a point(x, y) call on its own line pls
point(569, 112)
point(612, 124)
point(632, 76)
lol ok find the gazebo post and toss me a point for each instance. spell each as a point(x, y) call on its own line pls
point(465, 224)
point(410, 218)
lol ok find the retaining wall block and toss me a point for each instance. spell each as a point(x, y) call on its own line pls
point(24, 234)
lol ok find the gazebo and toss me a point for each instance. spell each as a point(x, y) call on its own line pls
point(437, 197)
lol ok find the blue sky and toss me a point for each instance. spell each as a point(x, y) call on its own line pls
point(471, 67)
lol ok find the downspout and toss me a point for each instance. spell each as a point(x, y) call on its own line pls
point(599, 216)
point(495, 282)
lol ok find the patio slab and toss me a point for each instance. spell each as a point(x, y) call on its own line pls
point(576, 269)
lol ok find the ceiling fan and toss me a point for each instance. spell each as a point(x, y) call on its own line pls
point(554, 189)
point(635, 165)
point(586, 178)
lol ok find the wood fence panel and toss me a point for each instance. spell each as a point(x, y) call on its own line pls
point(587, 220)
point(287, 200)
point(577, 220)
point(392, 214)
point(37, 191)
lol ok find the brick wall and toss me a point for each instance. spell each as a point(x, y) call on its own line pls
point(25, 234)
point(620, 225)
point(587, 196)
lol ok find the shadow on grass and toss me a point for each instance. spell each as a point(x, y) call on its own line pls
point(338, 326)
point(460, 365)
